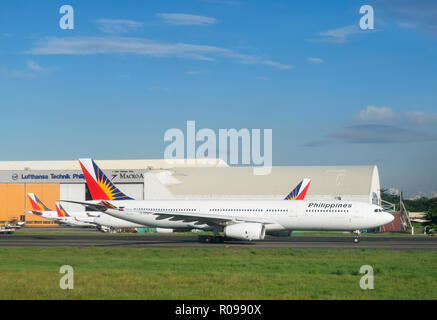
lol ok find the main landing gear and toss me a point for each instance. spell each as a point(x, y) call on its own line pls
point(211, 239)
point(356, 236)
point(216, 238)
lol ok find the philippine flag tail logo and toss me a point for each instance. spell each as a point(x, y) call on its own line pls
point(60, 210)
point(300, 191)
point(101, 188)
point(36, 204)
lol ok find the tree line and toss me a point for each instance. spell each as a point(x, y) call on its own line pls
point(423, 204)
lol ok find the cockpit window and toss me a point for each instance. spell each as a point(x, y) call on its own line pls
point(379, 210)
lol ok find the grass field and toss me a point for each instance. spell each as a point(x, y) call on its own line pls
point(224, 273)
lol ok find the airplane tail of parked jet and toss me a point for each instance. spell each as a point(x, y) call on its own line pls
point(61, 211)
point(36, 204)
point(300, 191)
point(101, 188)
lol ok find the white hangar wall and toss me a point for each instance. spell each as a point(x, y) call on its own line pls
point(356, 183)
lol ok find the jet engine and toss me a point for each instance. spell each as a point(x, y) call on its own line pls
point(246, 231)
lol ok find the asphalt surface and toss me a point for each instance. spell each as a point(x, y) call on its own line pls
point(175, 240)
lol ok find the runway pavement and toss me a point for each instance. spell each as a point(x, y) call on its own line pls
point(191, 241)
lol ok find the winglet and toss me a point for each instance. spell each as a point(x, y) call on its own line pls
point(101, 188)
point(36, 204)
point(300, 191)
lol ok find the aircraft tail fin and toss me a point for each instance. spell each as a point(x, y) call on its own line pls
point(300, 191)
point(101, 188)
point(61, 211)
point(36, 204)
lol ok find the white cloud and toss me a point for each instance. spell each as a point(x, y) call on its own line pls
point(339, 35)
point(143, 46)
point(33, 66)
point(115, 26)
point(419, 14)
point(252, 60)
point(315, 60)
point(372, 113)
point(33, 71)
point(182, 19)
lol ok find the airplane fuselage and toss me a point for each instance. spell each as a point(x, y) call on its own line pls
point(278, 215)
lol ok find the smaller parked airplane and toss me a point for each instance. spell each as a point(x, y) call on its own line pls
point(60, 215)
point(97, 219)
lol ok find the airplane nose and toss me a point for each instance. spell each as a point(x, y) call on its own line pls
point(387, 217)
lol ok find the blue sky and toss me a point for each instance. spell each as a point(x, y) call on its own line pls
point(331, 92)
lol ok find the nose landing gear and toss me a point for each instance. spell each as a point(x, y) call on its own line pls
point(356, 236)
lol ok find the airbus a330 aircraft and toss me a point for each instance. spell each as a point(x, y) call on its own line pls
point(238, 219)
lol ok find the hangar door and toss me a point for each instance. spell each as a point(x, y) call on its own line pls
point(133, 190)
point(14, 203)
point(75, 192)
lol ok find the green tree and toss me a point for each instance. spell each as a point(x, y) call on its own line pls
point(432, 214)
point(385, 195)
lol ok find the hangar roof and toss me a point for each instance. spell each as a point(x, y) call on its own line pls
point(326, 180)
point(107, 164)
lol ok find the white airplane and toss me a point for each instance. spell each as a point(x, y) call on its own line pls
point(80, 218)
point(106, 222)
point(99, 220)
point(39, 209)
point(104, 191)
point(237, 219)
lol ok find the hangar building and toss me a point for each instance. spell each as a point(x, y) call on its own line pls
point(357, 183)
point(158, 179)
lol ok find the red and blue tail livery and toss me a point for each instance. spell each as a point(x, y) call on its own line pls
point(36, 204)
point(300, 191)
point(61, 211)
point(101, 188)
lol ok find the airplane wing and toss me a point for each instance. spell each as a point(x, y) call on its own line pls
point(199, 218)
point(87, 222)
point(96, 206)
point(207, 218)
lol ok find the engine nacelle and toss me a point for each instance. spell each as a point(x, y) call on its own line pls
point(246, 231)
point(283, 233)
